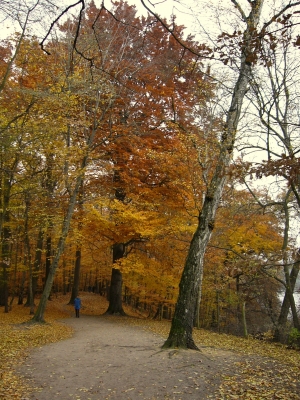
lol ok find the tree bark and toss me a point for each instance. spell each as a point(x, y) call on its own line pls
point(182, 324)
point(290, 281)
point(36, 265)
point(27, 251)
point(285, 306)
point(5, 235)
point(75, 287)
point(115, 291)
point(245, 329)
point(48, 257)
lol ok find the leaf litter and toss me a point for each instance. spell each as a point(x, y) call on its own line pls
point(268, 370)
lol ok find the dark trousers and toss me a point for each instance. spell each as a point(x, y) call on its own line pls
point(77, 312)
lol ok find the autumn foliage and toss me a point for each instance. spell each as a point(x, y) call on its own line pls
point(129, 111)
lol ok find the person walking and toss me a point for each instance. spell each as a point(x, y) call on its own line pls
point(77, 305)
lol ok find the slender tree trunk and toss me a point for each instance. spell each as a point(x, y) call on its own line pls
point(39, 314)
point(285, 306)
point(16, 255)
point(64, 277)
point(33, 280)
point(245, 329)
point(48, 257)
point(291, 298)
point(290, 281)
point(280, 333)
point(37, 262)
point(75, 287)
point(218, 310)
point(5, 233)
point(27, 251)
point(22, 287)
point(182, 324)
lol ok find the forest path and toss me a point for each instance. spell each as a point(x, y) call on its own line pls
point(108, 359)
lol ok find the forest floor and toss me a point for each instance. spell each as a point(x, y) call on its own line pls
point(101, 357)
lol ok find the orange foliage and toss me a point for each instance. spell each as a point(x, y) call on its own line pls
point(146, 102)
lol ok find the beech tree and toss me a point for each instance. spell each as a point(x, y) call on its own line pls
point(151, 97)
point(125, 93)
point(154, 77)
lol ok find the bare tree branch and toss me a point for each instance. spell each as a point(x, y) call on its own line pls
point(58, 18)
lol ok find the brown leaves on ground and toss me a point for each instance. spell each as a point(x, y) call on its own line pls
point(17, 335)
point(269, 371)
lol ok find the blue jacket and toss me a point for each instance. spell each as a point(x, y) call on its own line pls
point(77, 303)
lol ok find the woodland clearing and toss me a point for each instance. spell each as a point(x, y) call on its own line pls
point(111, 357)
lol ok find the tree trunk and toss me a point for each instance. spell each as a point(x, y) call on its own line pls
point(39, 314)
point(183, 320)
point(289, 301)
point(245, 330)
point(291, 298)
point(75, 287)
point(27, 252)
point(21, 288)
point(182, 324)
point(36, 265)
point(48, 255)
point(5, 240)
point(115, 291)
point(285, 306)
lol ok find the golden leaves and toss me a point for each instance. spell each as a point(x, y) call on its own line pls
point(262, 370)
point(17, 335)
point(269, 370)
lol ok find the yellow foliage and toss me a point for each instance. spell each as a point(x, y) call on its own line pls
point(269, 370)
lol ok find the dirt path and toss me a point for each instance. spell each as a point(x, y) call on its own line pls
point(106, 359)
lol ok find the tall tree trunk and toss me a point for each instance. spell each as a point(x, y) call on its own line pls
point(16, 258)
point(76, 281)
point(48, 257)
point(39, 314)
point(37, 261)
point(27, 251)
point(75, 287)
point(36, 265)
point(5, 235)
point(245, 329)
point(290, 281)
point(115, 291)
point(182, 324)
point(285, 306)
